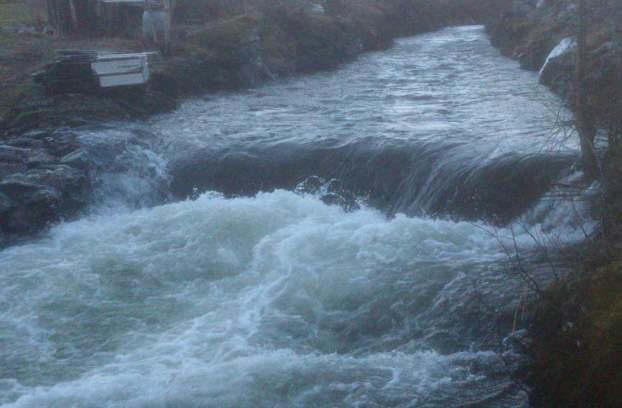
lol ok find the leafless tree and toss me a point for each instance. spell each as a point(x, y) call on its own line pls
point(584, 122)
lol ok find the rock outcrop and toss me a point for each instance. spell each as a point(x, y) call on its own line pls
point(538, 36)
point(43, 178)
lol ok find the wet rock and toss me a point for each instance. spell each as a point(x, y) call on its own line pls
point(38, 111)
point(33, 207)
point(310, 185)
point(43, 178)
point(32, 199)
point(332, 192)
point(558, 75)
point(338, 194)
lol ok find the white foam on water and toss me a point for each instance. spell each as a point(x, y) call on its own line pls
point(127, 171)
point(243, 302)
point(279, 299)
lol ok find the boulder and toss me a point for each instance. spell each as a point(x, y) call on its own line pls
point(31, 207)
point(32, 199)
point(558, 75)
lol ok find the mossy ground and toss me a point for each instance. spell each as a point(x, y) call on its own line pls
point(16, 13)
point(577, 332)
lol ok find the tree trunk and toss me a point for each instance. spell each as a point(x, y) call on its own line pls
point(583, 120)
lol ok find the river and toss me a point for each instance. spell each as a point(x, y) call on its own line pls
point(339, 239)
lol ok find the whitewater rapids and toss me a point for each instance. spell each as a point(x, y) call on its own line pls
point(203, 275)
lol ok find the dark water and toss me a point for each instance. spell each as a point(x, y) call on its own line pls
point(257, 291)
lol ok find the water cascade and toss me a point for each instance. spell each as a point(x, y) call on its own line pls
point(332, 240)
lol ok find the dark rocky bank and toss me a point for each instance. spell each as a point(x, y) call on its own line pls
point(44, 178)
point(576, 325)
point(530, 34)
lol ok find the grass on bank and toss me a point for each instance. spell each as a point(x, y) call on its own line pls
point(19, 13)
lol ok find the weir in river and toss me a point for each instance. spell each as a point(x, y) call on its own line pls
point(331, 240)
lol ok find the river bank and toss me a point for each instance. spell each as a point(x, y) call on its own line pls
point(576, 326)
point(242, 51)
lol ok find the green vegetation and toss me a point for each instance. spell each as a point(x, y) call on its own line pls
point(577, 332)
point(576, 325)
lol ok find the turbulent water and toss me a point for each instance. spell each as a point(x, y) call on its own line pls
point(219, 265)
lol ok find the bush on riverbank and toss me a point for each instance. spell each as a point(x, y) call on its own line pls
point(577, 341)
point(577, 324)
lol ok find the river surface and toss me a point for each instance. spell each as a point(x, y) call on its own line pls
point(333, 240)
